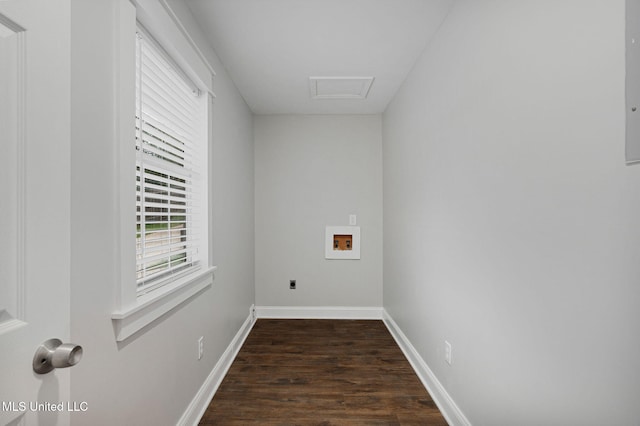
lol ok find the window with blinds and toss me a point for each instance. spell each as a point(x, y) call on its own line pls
point(169, 122)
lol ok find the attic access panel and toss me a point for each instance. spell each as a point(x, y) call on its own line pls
point(339, 87)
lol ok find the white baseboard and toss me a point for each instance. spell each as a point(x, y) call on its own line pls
point(319, 312)
point(201, 401)
point(443, 400)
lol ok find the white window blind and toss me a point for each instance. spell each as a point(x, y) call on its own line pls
point(169, 118)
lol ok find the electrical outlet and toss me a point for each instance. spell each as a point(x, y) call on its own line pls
point(292, 284)
point(447, 352)
point(200, 347)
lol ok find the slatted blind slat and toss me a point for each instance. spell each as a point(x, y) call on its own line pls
point(168, 114)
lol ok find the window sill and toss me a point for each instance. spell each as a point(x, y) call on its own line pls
point(151, 306)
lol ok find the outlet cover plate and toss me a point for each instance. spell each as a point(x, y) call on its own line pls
point(200, 347)
point(447, 352)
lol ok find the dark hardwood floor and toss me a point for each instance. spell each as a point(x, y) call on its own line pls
point(321, 372)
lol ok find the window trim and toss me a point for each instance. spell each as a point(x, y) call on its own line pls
point(132, 311)
point(153, 305)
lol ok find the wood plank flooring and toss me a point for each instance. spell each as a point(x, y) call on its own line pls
point(321, 372)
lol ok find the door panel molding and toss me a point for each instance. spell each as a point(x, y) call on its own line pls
point(13, 120)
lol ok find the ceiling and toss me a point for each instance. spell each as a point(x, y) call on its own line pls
point(271, 48)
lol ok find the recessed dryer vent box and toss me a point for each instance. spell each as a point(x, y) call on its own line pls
point(342, 242)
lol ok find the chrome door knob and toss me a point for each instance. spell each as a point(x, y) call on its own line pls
point(55, 354)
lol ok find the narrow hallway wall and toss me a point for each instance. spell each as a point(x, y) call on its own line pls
point(151, 378)
point(510, 218)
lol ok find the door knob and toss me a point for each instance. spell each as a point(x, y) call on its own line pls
point(55, 354)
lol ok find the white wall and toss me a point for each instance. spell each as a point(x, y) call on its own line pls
point(510, 219)
point(153, 376)
point(310, 172)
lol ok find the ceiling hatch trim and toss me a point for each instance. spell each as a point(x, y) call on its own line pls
point(339, 87)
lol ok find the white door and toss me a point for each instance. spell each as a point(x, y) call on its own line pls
point(34, 206)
